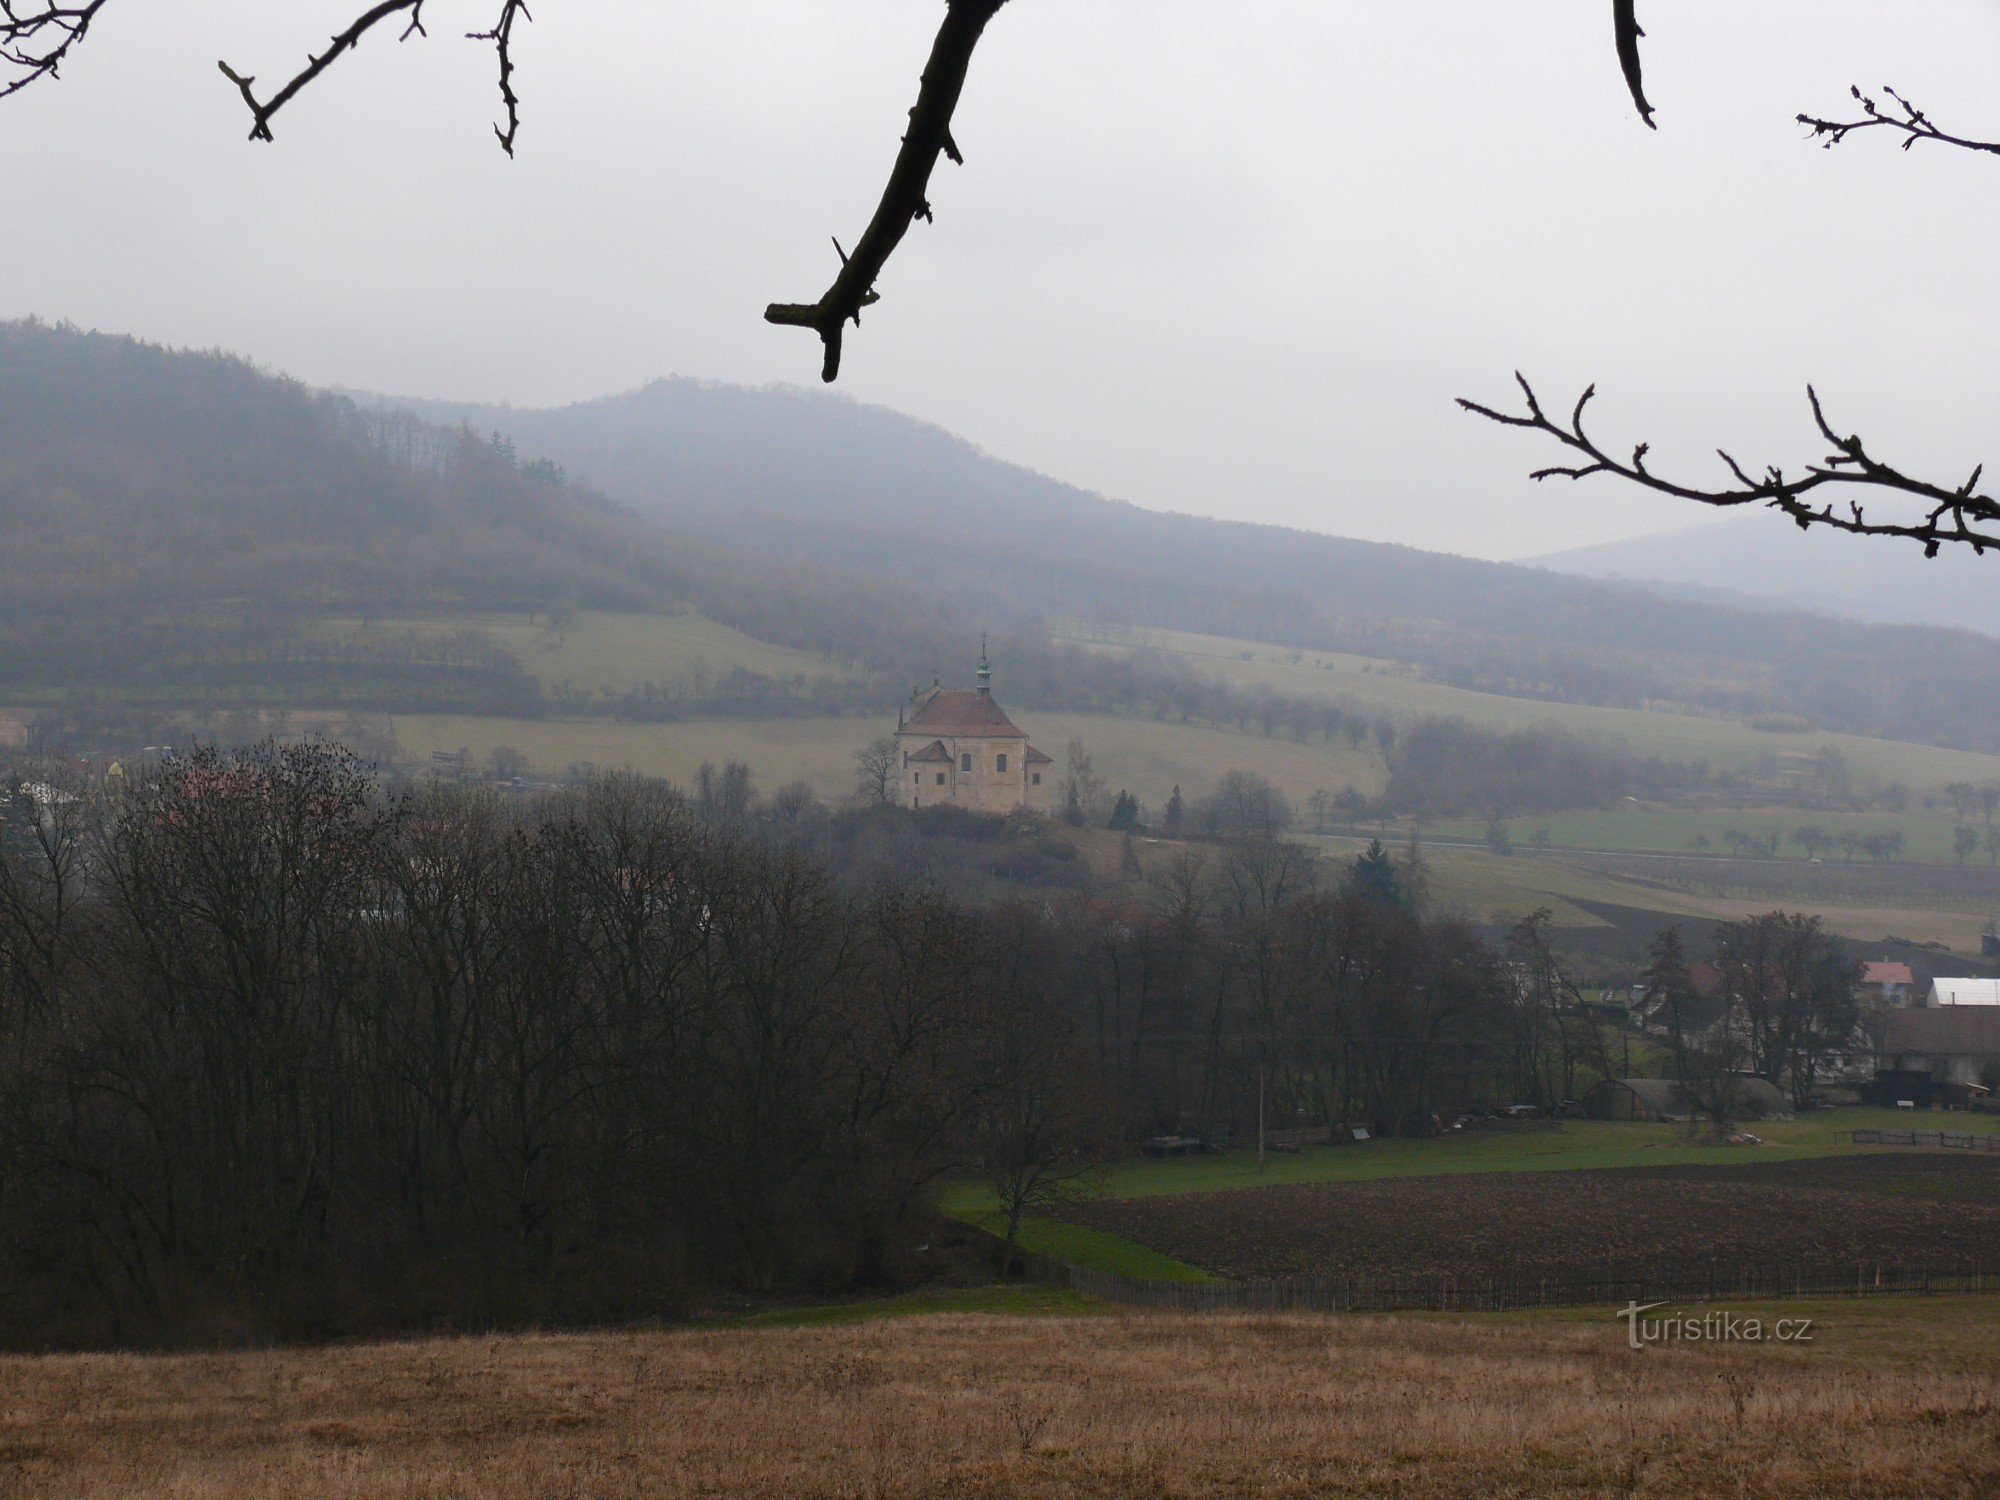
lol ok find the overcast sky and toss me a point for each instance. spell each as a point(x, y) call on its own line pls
point(1225, 256)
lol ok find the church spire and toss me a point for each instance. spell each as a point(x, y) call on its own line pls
point(985, 672)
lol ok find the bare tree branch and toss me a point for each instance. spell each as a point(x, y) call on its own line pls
point(343, 42)
point(1959, 515)
point(1912, 124)
point(1625, 23)
point(25, 47)
point(906, 198)
point(502, 38)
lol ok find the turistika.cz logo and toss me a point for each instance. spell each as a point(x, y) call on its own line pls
point(1710, 1328)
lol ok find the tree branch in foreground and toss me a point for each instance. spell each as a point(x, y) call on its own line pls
point(906, 198)
point(1625, 23)
point(501, 36)
point(24, 47)
point(1960, 515)
point(1912, 124)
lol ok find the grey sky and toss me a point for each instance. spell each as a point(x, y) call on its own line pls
point(1226, 256)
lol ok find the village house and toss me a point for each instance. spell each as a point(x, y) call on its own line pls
point(959, 749)
point(1886, 985)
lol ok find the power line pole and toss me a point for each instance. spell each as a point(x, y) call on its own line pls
point(1260, 1114)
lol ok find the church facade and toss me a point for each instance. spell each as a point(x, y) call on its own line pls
point(959, 749)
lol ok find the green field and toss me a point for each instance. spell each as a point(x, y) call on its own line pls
point(1496, 888)
point(1723, 742)
point(1925, 836)
point(1145, 757)
point(596, 650)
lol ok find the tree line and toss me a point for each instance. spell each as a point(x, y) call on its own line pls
point(280, 1051)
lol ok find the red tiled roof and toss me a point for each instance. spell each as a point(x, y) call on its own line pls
point(1035, 757)
point(935, 750)
point(1887, 973)
point(964, 714)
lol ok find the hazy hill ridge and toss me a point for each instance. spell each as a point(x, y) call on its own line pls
point(1762, 554)
point(789, 474)
point(178, 524)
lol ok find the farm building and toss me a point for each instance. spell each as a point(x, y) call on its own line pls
point(1964, 992)
point(1668, 1099)
point(1930, 1056)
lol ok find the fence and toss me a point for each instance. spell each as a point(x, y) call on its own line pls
point(1958, 1139)
point(1495, 1293)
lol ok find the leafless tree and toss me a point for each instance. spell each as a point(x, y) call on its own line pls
point(875, 772)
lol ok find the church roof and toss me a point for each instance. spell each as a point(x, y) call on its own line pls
point(1035, 757)
point(935, 750)
point(963, 714)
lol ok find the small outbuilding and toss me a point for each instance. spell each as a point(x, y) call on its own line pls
point(1669, 1099)
point(1638, 1099)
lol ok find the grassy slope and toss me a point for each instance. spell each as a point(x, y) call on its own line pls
point(1678, 736)
point(598, 650)
point(1497, 889)
point(1926, 836)
point(1890, 1399)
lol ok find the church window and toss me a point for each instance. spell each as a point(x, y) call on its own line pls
point(940, 778)
point(1037, 778)
point(965, 761)
point(917, 778)
point(1000, 763)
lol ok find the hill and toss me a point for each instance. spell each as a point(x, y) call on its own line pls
point(792, 476)
point(1766, 556)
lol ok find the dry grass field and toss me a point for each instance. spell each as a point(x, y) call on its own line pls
point(1129, 1404)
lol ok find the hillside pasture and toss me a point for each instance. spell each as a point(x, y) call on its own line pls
point(1923, 904)
point(599, 651)
point(1385, 687)
point(1926, 837)
point(1888, 1399)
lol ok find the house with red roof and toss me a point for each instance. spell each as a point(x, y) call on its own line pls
point(1887, 985)
point(958, 748)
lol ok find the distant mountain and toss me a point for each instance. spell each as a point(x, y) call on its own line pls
point(804, 477)
point(184, 528)
point(1863, 578)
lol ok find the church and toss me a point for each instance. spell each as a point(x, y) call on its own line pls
point(959, 749)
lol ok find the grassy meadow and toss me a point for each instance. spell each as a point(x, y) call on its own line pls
point(597, 650)
point(1723, 742)
point(1926, 836)
point(1891, 1397)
